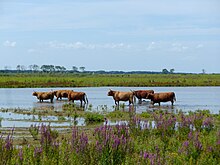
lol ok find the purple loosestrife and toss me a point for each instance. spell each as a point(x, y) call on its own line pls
point(197, 143)
point(20, 154)
point(149, 157)
point(37, 151)
point(75, 136)
point(83, 143)
point(197, 119)
point(46, 137)
point(208, 124)
point(8, 143)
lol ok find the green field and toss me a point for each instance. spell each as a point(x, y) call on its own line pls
point(13, 80)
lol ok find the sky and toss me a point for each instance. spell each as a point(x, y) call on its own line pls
point(111, 35)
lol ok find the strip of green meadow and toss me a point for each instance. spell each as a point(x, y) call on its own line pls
point(35, 80)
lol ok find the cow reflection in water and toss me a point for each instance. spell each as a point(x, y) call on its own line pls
point(122, 96)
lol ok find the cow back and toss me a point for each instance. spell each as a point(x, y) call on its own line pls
point(166, 96)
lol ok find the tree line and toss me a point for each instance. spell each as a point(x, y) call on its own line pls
point(44, 68)
point(75, 69)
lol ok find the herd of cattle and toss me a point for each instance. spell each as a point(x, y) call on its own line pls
point(117, 96)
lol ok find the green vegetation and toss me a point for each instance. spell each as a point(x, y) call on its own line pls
point(155, 138)
point(22, 80)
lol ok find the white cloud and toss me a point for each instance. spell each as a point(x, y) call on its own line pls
point(178, 47)
point(31, 50)
point(81, 45)
point(199, 46)
point(9, 43)
point(151, 46)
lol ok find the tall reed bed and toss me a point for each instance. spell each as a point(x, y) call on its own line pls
point(167, 139)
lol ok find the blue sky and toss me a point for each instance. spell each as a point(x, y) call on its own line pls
point(112, 34)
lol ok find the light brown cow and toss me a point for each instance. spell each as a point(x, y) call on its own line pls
point(62, 93)
point(162, 97)
point(44, 96)
point(78, 96)
point(121, 96)
point(142, 94)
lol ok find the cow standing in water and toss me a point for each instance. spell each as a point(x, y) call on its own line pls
point(121, 96)
point(162, 97)
point(44, 96)
point(62, 93)
point(142, 94)
point(78, 96)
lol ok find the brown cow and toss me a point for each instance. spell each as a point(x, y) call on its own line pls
point(44, 96)
point(121, 96)
point(162, 97)
point(77, 96)
point(142, 94)
point(62, 93)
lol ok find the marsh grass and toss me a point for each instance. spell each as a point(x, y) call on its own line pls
point(174, 138)
point(97, 80)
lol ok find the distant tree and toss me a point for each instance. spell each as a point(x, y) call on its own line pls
point(82, 68)
point(48, 68)
point(165, 71)
point(23, 67)
point(74, 68)
point(203, 71)
point(7, 67)
point(63, 69)
point(30, 67)
point(172, 70)
point(18, 67)
point(35, 67)
point(58, 68)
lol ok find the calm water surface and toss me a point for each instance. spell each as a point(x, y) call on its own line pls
point(188, 99)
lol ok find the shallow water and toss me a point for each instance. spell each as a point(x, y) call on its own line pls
point(188, 99)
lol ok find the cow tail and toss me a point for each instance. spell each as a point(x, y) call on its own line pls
point(85, 97)
point(174, 97)
point(134, 99)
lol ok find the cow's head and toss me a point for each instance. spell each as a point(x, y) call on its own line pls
point(111, 92)
point(34, 93)
point(149, 96)
point(55, 93)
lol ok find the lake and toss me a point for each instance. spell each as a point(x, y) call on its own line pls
point(188, 99)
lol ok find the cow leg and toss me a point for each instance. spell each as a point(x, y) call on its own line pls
point(139, 101)
point(159, 103)
point(84, 100)
point(172, 102)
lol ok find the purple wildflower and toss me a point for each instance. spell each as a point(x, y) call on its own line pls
point(20, 154)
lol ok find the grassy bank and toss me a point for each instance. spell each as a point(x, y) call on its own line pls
point(150, 138)
point(19, 80)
